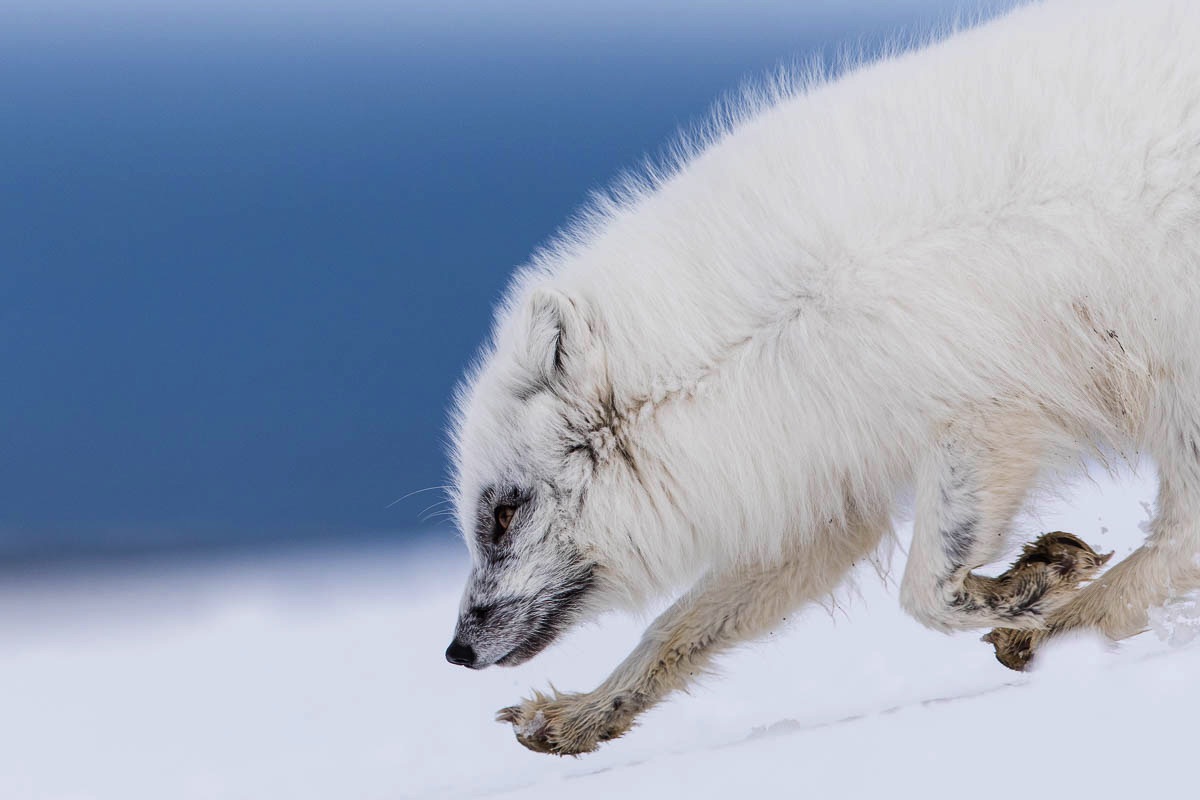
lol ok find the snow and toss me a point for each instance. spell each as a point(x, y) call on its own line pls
point(320, 675)
point(1178, 622)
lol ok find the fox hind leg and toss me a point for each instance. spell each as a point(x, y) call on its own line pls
point(1117, 603)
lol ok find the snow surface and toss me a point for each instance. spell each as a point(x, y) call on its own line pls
point(320, 675)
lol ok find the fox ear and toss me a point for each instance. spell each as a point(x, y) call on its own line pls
point(557, 332)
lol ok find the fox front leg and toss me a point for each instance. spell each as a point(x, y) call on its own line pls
point(721, 611)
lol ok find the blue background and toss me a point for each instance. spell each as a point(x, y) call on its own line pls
point(246, 254)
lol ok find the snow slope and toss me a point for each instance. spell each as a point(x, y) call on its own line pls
point(320, 675)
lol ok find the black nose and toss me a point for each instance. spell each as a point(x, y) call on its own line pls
point(461, 654)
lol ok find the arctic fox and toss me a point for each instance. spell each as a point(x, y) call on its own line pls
point(939, 275)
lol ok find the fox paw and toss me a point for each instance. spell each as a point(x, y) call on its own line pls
point(1051, 569)
point(568, 724)
point(1067, 558)
point(1015, 648)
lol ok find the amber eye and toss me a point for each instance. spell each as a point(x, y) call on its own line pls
point(504, 517)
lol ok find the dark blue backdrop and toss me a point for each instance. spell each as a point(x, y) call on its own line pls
point(244, 260)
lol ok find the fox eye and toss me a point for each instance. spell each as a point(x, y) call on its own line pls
point(504, 518)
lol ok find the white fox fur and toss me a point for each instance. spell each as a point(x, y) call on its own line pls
point(941, 273)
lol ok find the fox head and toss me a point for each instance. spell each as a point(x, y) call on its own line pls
point(532, 426)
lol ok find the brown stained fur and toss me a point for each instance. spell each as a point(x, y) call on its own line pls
point(569, 724)
point(1052, 567)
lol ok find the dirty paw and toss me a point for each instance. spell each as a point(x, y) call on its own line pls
point(568, 724)
point(1014, 648)
point(1049, 569)
point(1069, 559)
